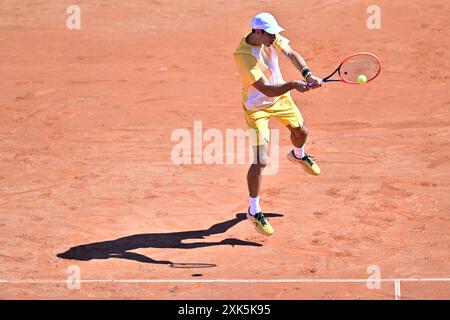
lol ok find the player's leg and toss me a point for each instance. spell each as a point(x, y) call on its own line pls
point(259, 133)
point(254, 175)
point(298, 137)
point(287, 112)
point(258, 124)
point(254, 179)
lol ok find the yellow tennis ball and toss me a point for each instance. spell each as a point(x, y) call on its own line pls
point(361, 79)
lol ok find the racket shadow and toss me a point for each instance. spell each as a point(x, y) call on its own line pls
point(121, 248)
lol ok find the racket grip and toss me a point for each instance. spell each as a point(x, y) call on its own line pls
point(320, 82)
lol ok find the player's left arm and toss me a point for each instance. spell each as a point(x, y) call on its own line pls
point(299, 63)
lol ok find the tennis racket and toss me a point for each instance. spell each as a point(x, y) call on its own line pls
point(361, 63)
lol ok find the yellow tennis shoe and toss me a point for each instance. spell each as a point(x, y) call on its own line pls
point(306, 162)
point(261, 223)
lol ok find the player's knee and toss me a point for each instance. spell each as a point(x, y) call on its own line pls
point(300, 133)
point(260, 156)
point(261, 161)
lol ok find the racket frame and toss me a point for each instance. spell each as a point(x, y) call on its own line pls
point(338, 69)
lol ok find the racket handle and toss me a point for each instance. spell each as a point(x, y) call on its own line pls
point(320, 82)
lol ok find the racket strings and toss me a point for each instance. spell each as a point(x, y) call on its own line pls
point(363, 64)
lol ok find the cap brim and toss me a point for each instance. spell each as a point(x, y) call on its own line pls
point(273, 30)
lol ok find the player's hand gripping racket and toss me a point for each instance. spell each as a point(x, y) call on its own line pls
point(357, 68)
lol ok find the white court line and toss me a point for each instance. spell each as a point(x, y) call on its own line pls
point(395, 280)
point(397, 291)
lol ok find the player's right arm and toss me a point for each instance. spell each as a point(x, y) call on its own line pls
point(275, 90)
point(252, 75)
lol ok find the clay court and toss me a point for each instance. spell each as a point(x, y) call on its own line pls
point(87, 181)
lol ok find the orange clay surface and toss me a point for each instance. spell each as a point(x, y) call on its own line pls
point(85, 152)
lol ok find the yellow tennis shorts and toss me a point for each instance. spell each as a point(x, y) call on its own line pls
point(284, 109)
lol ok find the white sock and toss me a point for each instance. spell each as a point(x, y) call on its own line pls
point(299, 152)
point(254, 206)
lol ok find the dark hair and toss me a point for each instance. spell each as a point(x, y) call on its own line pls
point(254, 30)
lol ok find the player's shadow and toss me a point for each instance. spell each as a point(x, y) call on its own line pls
point(120, 248)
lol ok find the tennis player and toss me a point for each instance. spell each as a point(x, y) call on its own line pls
point(265, 94)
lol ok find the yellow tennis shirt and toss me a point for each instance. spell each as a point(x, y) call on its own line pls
point(254, 62)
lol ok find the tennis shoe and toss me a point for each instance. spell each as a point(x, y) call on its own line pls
point(261, 223)
point(306, 162)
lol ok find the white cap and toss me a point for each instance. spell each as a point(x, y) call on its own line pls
point(265, 21)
